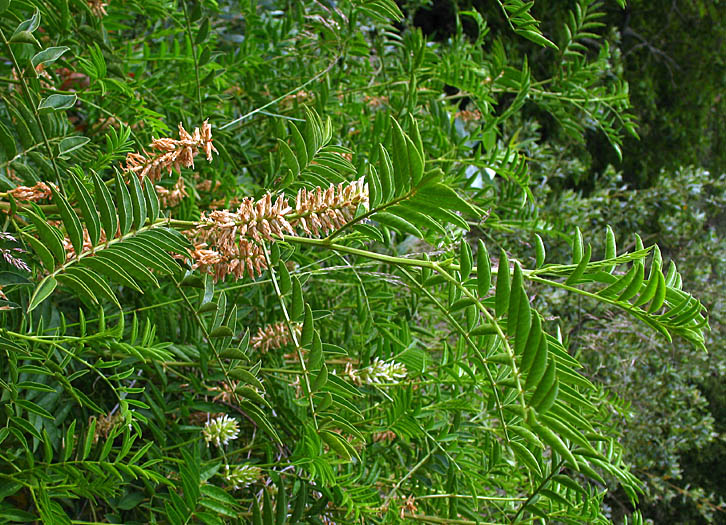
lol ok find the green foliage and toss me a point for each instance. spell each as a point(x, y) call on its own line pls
point(677, 456)
point(338, 349)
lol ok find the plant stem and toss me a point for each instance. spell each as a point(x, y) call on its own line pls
point(196, 61)
point(293, 335)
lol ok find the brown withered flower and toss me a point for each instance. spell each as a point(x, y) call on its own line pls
point(98, 7)
point(258, 220)
point(168, 198)
point(238, 258)
point(34, 193)
point(171, 154)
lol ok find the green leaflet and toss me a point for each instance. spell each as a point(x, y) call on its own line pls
point(398, 223)
point(70, 220)
point(42, 252)
point(554, 441)
point(306, 336)
point(90, 216)
point(466, 260)
point(519, 313)
point(297, 305)
point(111, 270)
point(388, 184)
point(634, 286)
point(539, 251)
point(42, 291)
point(503, 285)
point(123, 205)
point(105, 207)
point(138, 203)
point(483, 270)
point(151, 199)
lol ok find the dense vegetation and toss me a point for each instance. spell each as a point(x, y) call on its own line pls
point(330, 263)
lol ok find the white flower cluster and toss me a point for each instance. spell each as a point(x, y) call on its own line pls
point(221, 430)
point(382, 372)
point(240, 476)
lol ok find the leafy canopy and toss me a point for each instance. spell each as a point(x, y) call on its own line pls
point(308, 279)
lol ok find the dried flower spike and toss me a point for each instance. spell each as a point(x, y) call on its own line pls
point(34, 193)
point(98, 7)
point(237, 259)
point(258, 220)
point(274, 336)
point(172, 154)
point(221, 430)
point(170, 198)
point(324, 211)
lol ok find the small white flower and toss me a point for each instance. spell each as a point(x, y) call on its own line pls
point(221, 430)
point(382, 372)
point(240, 476)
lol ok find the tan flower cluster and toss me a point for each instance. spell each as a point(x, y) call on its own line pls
point(206, 185)
point(324, 211)
point(469, 116)
point(387, 435)
point(228, 242)
point(375, 102)
point(409, 506)
point(98, 7)
point(170, 198)
point(105, 424)
point(46, 81)
point(226, 391)
point(171, 153)
point(34, 193)
point(258, 220)
point(299, 97)
point(235, 258)
point(274, 336)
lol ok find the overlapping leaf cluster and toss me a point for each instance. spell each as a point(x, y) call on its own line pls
point(408, 374)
